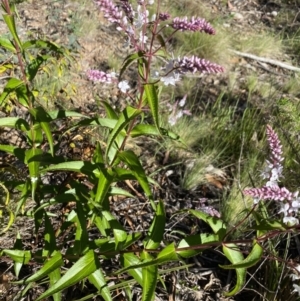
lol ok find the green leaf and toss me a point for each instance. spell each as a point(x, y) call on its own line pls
point(133, 162)
point(98, 155)
point(18, 245)
point(129, 60)
point(217, 225)
point(7, 208)
point(24, 95)
point(251, 260)
point(105, 122)
point(7, 44)
point(106, 178)
point(119, 191)
point(150, 274)
point(34, 65)
point(120, 234)
point(18, 255)
point(167, 254)
point(77, 166)
point(84, 267)
point(81, 236)
point(151, 130)
point(58, 114)
point(10, 87)
point(234, 255)
point(110, 112)
point(42, 44)
point(33, 167)
point(18, 152)
point(55, 262)
point(266, 224)
point(10, 22)
point(49, 237)
point(44, 119)
point(152, 99)
point(126, 116)
point(98, 280)
point(197, 240)
point(15, 122)
point(156, 231)
point(128, 260)
point(54, 277)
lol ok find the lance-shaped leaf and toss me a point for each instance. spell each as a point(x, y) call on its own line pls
point(18, 245)
point(58, 114)
point(156, 231)
point(10, 87)
point(129, 60)
point(14, 122)
point(54, 277)
point(7, 44)
point(18, 255)
point(251, 260)
point(133, 162)
point(77, 166)
point(34, 65)
point(152, 100)
point(11, 214)
point(106, 178)
point(49, 237)
point(128, 260)
point(234, 255)
point(10, 22)
point(201, 240)
point(151, 130)
point(44, 119)
point(126, 116)
point(166, 255)
point(98, 280)
point(120, 234)
point(110, 112)
point(82, 268)
point(150, 274)
point(81, 236)
point(43, 44)
point(33, 167)
point(55, 262)
point(217, 225)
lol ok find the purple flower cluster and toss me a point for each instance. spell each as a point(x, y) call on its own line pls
point(164, 16)
point(274, 193)
point(111, 11)
point(194, 24)
point(128, 10)
point(289, 203)
point(195, 64)
point(100, 76)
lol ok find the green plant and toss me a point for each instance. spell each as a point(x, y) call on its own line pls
point(111, 165)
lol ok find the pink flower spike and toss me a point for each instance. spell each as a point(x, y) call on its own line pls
point(111, 11)
point(275, 146)
point(194, 64)
point(164, 16)
point(194, 24)
point(100, 76)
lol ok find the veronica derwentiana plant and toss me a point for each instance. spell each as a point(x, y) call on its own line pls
point(288, 202)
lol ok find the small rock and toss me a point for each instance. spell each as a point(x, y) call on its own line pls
point(238, 16)
point(274, 13)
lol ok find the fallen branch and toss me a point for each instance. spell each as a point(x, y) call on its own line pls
point(266, 60)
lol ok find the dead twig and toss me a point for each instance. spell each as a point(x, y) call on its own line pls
point(266, 60)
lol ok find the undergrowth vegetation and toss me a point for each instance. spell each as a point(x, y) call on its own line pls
point(78, 239)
